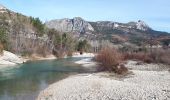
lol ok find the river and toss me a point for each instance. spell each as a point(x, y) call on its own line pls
point(25, 81)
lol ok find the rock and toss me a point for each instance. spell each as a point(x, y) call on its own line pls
point(141, 25)
point(76, 24)
point(8, 58)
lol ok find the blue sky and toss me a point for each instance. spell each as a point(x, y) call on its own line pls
point(156, 13)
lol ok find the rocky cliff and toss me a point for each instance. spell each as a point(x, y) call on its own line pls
point(76, 24)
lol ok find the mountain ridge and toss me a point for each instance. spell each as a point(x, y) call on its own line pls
point(108, 30)
point(141, 25)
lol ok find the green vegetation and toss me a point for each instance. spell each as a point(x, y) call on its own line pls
point(83, 45)
point(3, 38)
point(136, 40)
point(69, 43)
point(38, 25)
point(64, 43)
point(26, 53)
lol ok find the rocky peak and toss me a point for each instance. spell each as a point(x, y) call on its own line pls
point(77, 24)
point(141, 25)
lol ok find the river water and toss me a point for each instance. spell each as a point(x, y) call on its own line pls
point(25, 81)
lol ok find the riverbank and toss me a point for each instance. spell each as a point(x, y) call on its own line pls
point(8, 58)
point(39, 57)
point(146, 82)
point(51, 57)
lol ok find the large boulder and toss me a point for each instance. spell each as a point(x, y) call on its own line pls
point(8, 58)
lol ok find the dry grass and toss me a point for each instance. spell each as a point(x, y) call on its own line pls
point(110, 59)
point(69, 53)
point(161, 56)
point(141, 56)
point(156, 56)
point(59, 53)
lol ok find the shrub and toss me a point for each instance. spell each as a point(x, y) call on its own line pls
point(141, 56)
point(83, 46)
point(1, 48)
point(36, 22)
point(59, 53)
point(26, 53)
point(121, 69)
point(69, 53)
point(161, 56)
point(108, 59)
point(3, 37)
point(156, 56)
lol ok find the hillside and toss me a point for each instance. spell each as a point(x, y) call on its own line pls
point(133, 32)
point(25, 35)
point(19, 34)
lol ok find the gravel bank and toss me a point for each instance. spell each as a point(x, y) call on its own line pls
point(141, 85)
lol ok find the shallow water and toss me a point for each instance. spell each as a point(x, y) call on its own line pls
point(25, 81)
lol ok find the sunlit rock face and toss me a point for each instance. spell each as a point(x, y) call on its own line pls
point(141, 25)
point(76, 24)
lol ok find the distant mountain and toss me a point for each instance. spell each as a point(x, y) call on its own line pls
point(134, 32)
point(80, 25)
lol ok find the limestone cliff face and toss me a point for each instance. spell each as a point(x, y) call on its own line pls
point(141, 25)
point(76, 24)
